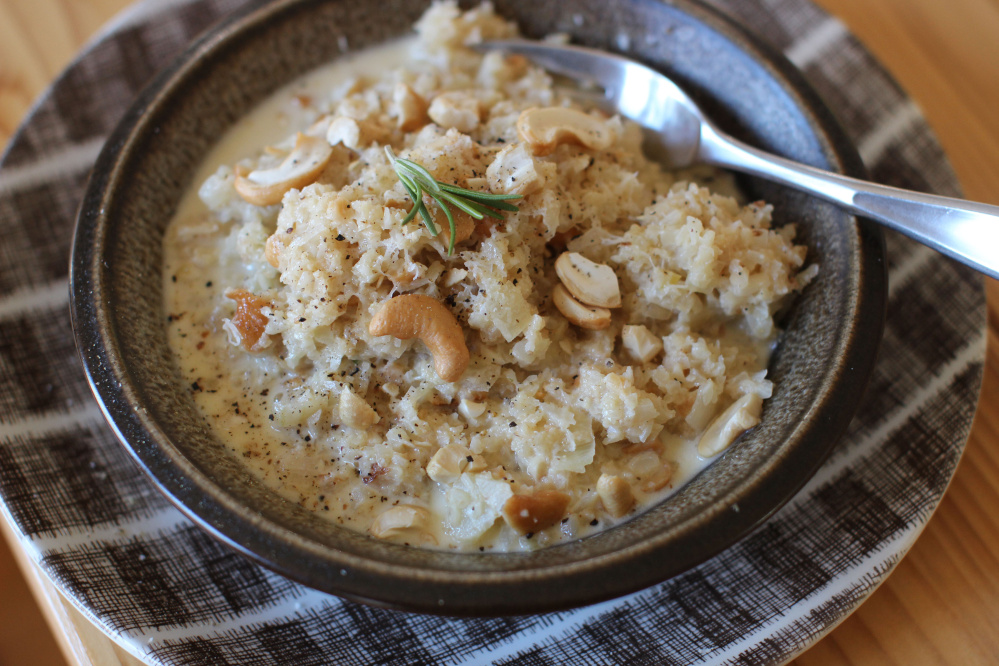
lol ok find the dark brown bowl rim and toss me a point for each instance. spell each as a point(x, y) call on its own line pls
point(516, 590)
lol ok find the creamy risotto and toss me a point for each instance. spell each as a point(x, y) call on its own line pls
point(565, 366)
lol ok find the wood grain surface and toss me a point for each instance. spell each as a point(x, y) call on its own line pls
point(941, 604)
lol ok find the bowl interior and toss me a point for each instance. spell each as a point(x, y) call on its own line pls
point(832, 329)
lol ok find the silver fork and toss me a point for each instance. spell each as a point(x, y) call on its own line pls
point(964, 230)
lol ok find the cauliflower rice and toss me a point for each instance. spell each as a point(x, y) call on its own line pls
point(552, 431)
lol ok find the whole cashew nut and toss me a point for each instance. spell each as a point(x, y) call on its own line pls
point(418, 316)
point(589, 283)
point(265, 187)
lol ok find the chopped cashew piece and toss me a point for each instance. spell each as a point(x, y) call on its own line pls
point(589, 282)
point(513, 171)
point(352, 133)
point(640, 342)
point(355, 412)
point(418, 316)
point(584, 316)
point(409, 108)
point(658, 479)
point(447, 464)
point(535, 512)
point(476, 464)
point(456, 109)
point(273, 248)
point(470, 409)
point(545, 128)
point(616, 494)
point(264, 187)
point(464, 225)
point(740, 416)
point(454, 276)
point(400, 519)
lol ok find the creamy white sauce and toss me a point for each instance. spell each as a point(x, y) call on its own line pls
point(283, 113)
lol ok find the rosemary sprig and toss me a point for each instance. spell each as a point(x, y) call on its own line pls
point(418, 181)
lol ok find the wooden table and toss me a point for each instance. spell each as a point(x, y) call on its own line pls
point(941, 605)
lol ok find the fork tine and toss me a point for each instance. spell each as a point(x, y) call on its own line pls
point(632, 89)
point(637, 91)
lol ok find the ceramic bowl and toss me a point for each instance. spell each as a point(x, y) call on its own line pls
point(819, 368)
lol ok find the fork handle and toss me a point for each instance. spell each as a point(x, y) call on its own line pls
point(964, 230)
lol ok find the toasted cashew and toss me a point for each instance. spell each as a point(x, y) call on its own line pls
point(418, 316)
point(740, 416)
point(535, 512)
point(544, 129)
point(399, 520)
point(264, 187)
point(616, 494)
point(589, 282)
point(584, 316)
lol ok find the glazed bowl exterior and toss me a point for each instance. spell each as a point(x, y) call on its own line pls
point(820, 367)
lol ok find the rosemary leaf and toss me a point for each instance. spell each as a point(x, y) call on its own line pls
point(475, 194)
point(450, 223)
point(480, 210)
point(417, 181)
point(415, 195)
point(463, 205)
point(415, 191)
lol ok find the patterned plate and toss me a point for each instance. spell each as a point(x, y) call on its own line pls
point(171, 595)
